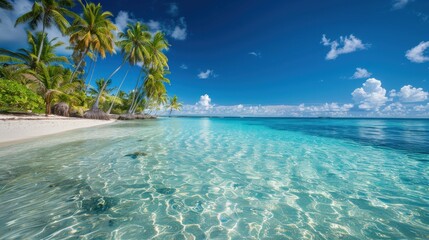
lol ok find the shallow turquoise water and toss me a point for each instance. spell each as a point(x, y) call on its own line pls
point(202, 178)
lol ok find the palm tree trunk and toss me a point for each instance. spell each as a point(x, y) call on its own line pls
point(171, 110)
point(95, 106)
point(134, 103)
point(135, 90)
point(78, 65)
point(138, 103)
point(92, 74)
point(41, 43)
point(139, 100)
point(116, 95)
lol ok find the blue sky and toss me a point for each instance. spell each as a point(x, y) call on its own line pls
point(283, 58)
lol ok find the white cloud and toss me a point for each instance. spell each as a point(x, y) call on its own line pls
point(349, 44)
point(416, 53)
point(154, 25)
point(204, 75)
point(173, 9)
point(179, 32)
point(398, 4)
point(410, 94)
point(122, 20)
point(256, 54)
point(422, 108)
point(361, 73)
point(8, 33)
point(205, 102)
point(371, 96)
point(184, 66)
point(205, 108)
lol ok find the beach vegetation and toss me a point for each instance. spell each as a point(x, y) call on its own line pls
point(15, 97)
point(50, 76)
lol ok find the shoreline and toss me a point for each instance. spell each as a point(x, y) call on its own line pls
point(15, 129)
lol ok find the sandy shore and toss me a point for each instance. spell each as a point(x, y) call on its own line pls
point(18, 128)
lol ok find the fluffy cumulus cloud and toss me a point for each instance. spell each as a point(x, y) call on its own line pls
point(122, 20)
point(347, 44)
point(398, 4)
point(416, 54)
point(154, 25)
point(361, 73)
point(180, 30)
point(205, 74)
point(205, 102)
point(204, 108)
point(410, 94)
point(371, 102)
point(371, 96)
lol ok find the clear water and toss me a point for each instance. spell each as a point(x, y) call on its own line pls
point(202, 178)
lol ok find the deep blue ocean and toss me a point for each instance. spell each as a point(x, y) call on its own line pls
point(220, 178)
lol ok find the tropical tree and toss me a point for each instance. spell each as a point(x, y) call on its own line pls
point(5, 4)
point(174, 104)
point(52, 83)
point(92, 32)
point(158, 61)
point(153, 89)
point(98, 90)
point(133, 44)
point(48, 13)
point(28, 57)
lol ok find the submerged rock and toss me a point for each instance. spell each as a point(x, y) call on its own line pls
point(99, 204)
point(166, 191)
point(136, 154)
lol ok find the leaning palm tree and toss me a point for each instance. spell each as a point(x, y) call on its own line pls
point(158, 60)
point(153, 88)
point(174, 104)
point(105, 94)
point(48, 13)
point(93, 31)
point(133, 44)
point(5, 4)
point(52, 83)
point(28, 57)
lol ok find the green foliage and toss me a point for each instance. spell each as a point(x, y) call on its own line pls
point(16, 97)
point(5, 4)
point(36, 73)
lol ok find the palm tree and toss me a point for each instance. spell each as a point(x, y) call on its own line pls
point(157, 47)
point(92, 32)
point(98, 90)
point(52, 83)
point(28, 57)
point(174, 104)
point(133, 46)
point(158, 60)
point(5, 4)
point(49, 13)
point(153, 88)
point(117, 92)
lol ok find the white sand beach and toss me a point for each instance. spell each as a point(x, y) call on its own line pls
point(17, 128)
